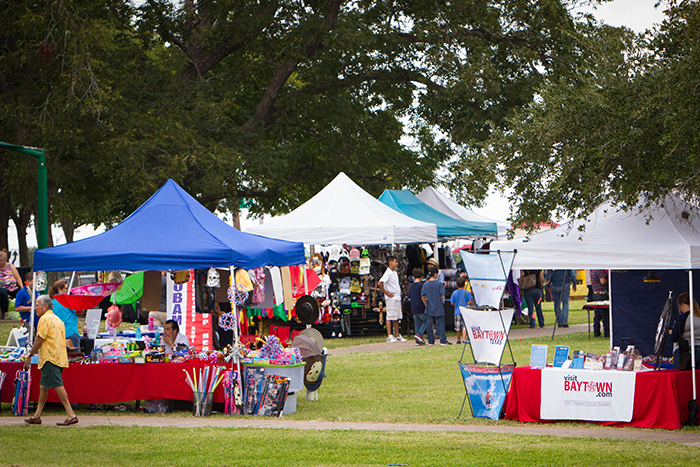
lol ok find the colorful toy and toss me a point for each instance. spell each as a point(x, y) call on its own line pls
point(237, 294)
point(227, 321)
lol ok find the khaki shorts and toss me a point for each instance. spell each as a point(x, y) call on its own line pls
point(393, 310)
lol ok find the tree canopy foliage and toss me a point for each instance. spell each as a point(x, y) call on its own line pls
point(625, 128)
point(268, 100)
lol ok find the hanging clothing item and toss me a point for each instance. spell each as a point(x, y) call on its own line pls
point(259, 290)
point(365, 266)
point(287, 288)
point(277, 288)
point(269, 299)
point(243, 279)
point(298, 287)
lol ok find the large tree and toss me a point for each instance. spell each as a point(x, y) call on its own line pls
point(627, 128)
point(268, 100)
point(276, 97)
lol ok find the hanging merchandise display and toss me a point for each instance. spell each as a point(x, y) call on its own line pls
point(213, 278)
point(180, 277)
point(238, 294)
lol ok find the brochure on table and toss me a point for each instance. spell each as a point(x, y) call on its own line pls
point(538, 356)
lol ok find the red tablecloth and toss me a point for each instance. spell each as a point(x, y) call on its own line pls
point(660, 398)
point(114, 382)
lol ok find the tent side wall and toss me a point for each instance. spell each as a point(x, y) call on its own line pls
point(637, 305)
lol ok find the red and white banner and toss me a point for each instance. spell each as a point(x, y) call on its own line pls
point(602, 396)
point(181, 308)
point(487, 331)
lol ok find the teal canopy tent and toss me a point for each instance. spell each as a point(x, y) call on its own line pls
point(408, 204)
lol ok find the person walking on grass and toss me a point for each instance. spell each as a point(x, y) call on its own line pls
point(389, 285)
point(433, 295)
point(461, 297)
point(50, 343)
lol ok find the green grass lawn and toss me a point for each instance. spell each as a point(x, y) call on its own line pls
point(401, 386)
point(117, 446)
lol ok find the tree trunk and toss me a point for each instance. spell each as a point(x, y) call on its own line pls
point(5, 215)
point(68, 229)
point(21, 220)
point(236, 213)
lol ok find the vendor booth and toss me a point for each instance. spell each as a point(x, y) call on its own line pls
point(445, 205)
point(342, 213)
point(649, 252)
point(169, 232)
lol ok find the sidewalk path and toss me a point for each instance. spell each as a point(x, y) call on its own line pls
point(688, 439)
point(515, 334)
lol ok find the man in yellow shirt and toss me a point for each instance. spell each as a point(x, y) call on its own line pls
point(50, 343)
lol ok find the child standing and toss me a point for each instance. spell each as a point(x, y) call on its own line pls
point(461, 297)
point(417, 305)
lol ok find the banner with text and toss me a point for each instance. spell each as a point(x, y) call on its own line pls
point(181, 308)
point(602, 396)
point(487, 388)
point(487, 335)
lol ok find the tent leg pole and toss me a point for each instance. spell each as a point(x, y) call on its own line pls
point(610, 309)
point(72, 277)
point(692, 330)
point(31, 318)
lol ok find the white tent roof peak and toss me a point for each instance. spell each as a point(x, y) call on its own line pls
point(445, 205)
point(342, 212)
point(659, 237)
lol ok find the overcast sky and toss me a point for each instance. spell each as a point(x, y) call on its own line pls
point(638, 15)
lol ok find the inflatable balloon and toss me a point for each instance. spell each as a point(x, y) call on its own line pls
point(114, 316)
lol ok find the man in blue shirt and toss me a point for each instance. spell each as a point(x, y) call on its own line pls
point(23, 301)
point(561, 280)
point(433, 296)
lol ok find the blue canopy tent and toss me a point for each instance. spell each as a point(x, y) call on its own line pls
point(408, 204)
point(170, 231)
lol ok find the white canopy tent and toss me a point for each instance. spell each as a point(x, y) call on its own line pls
point(445, 205)
point(343, 212)
point(656, 238)
point(665, 236)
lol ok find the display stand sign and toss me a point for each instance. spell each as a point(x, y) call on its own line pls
point(488, 275)
point(602, 396)
point(487, 327)
point(181, 308)
point(487, 387)
point(488, 332)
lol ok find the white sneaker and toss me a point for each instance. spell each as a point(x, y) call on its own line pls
point(340, 335)
point(391, 339)
point(400, 338)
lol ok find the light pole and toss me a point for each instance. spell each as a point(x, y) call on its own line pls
point(43, 207)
